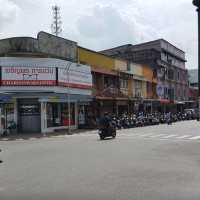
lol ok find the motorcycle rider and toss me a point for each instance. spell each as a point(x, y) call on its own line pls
point(169, 120)
point(105, 121)
point(1, 160)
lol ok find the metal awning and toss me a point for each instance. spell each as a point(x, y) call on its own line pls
point(44, 97)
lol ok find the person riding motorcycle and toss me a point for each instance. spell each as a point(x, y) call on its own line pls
point(107, 128)
point(105, 121)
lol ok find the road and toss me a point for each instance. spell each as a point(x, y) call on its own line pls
point(150, 163)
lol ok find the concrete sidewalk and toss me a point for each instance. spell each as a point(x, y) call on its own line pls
point(27, 136)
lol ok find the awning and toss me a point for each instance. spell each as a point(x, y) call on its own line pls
point(63, 98)
point(104, 98)
point(104, 71)
point(45, 97)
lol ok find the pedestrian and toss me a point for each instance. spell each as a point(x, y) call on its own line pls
point(169, 120)
point(1, 160)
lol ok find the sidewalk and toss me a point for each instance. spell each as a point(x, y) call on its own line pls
point(28, 136)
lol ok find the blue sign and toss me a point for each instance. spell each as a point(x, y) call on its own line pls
point(5, 99)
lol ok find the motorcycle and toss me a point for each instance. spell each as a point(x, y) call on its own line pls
point(110, 131)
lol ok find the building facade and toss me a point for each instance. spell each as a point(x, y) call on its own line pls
point(43, 88)
point(193, 90)
point(112, 86)
point(166, 60)
point(119, 86)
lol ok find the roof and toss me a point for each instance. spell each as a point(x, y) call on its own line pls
point(138, 44)
point(193, 75)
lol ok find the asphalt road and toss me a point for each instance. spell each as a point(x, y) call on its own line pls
point(151, 163)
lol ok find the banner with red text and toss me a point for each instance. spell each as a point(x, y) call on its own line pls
point(28, 76)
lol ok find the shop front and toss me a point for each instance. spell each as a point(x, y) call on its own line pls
point(42, 94)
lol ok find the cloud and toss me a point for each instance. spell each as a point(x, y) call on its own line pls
point(105, 25)
point(8, 13)
point(101, 24)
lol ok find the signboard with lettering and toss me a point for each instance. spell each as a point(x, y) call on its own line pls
point(75, 77)
point(160, 91)
point(28, 76)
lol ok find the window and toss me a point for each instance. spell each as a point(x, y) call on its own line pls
point(7, 114)
point(57, 114)
point(123, 83)
point(138, 88)
point(109, 82)
point(178, 76)
point(166, 93)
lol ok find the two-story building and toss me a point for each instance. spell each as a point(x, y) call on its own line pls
point(112, 85)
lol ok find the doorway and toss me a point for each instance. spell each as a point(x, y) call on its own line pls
point(29, 116)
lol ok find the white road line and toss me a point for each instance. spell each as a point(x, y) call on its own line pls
point(169, 136)
point(147, 135)
point(184, 136)
point(195, 138)
point(159, 135)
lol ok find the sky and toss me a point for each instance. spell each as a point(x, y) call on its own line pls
point(103, 24)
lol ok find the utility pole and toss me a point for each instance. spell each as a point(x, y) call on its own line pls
point(197, 4)
point(56, 26)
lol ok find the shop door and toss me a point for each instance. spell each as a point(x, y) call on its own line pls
point(29, 116)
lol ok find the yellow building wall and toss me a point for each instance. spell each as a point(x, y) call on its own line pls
point(148, 74)
point(120, 65)
point(136, 69)
point(95, 59)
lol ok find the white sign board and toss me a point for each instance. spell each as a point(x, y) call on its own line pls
point(28, 76)
point(75, 77)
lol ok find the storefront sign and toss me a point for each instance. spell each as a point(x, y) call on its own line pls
point(6, 99)
point(76, 77)
point(160, 91)
point(28, 76)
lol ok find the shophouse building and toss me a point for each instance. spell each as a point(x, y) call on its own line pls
point(118, 86)
point(168, 62)
point(111, 83)
point(43, 88)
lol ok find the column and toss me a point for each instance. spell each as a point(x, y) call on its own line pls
point(43, 117)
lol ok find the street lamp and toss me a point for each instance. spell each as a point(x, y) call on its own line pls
point(197, 4)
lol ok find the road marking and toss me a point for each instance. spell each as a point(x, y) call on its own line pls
point(160, 135)
point(184, 136)
point(169, 136)
point(147, 135)
point(195, 138)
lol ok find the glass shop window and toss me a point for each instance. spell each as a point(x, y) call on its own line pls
point(57, 114)
point(7, 114)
